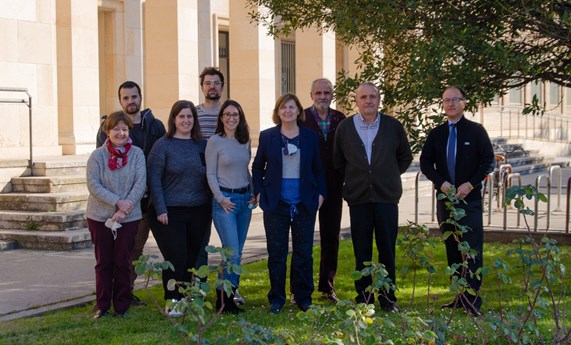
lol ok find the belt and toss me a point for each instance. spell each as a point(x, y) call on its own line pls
point(236, 190)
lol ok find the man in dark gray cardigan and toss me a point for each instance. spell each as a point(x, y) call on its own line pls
point(371, 151)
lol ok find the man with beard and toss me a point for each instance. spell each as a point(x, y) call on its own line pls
point(146, 130)
point(323, 120)
point(212, 84)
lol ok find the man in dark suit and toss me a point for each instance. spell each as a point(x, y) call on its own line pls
point(458, 153)
point(323, 120)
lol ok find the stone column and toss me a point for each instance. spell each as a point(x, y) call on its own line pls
point(252, 65)
point(171, 59)
point(78, 75)
point(314, 58)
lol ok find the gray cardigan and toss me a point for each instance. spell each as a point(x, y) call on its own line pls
point(107, 186)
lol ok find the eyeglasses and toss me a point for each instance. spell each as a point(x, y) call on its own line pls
point(231, 115)
point(215, 83)
point(452, 100)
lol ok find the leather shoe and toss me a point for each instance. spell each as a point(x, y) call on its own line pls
point(136, 302)
point(121, 314)
point(275, 308)
point(100, 313)
point(330, 296)
point(452, 305)
point(390, 308)
point(304, 307)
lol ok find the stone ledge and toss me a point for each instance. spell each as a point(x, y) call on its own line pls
point(44, 240)
point(42, 221)
point(49, 184)
point(49, 202)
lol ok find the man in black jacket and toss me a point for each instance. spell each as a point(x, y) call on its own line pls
point(458, 153)
point(146, 130)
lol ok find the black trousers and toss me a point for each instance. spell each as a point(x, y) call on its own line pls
point(475, 239)
point(380, 220)
point(181, 240)
point(329, 229)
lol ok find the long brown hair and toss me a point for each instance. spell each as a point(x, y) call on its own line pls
point(177, 107)
point(242, 130)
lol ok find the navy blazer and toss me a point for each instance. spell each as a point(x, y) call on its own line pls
point(474, 155)
point(267, 169)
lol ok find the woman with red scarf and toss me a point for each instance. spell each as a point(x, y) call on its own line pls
point(116, 180)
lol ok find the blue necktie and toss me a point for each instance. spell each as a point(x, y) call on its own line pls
point(451, 152)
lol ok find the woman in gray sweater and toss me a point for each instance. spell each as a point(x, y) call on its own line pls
point(227, 158)
point(116, 180)
point(180, 214)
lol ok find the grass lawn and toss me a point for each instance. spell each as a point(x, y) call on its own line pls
point(146, 325)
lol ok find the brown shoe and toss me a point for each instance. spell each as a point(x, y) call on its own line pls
point(330, 296)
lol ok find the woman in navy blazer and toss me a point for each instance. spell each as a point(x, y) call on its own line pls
point(289, 184)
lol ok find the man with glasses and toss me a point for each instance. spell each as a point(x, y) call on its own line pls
point(212, 85)
point(458, 154)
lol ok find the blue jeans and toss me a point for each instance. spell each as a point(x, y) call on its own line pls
point(277, 225)
point(232, 228)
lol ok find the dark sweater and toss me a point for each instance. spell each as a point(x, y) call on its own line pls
point(391, 156)
point(177, 174)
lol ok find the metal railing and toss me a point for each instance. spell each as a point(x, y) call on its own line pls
point(552, 170)
point(567, 212)
point(27, 102)
point(536, 202)
point(510, 178)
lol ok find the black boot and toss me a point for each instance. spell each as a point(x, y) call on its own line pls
point(219, 294)
point(230, 306)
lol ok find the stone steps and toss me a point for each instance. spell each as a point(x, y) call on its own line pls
point(42, 221)
point(45, 202)
point(47, 210)
point(65, 165)
point(49, 184)
point(48, 240)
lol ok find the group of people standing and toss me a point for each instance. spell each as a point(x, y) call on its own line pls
point(177, 181)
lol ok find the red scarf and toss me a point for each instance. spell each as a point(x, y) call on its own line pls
point(117, 159)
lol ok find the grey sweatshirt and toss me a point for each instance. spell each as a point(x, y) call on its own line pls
point(107, 186)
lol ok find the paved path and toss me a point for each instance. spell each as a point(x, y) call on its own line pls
point(32, 282)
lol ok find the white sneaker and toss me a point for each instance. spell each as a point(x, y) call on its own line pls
point(238, 299)
point(173, 308)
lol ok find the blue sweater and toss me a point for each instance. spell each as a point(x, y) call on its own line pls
point(176, 172)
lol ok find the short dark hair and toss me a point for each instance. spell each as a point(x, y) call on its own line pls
point(462, 92)
point(177, 107)
point(283, 99)
point(211, 71)
point(114, 119)
point(128, 85)
point(242, 131)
